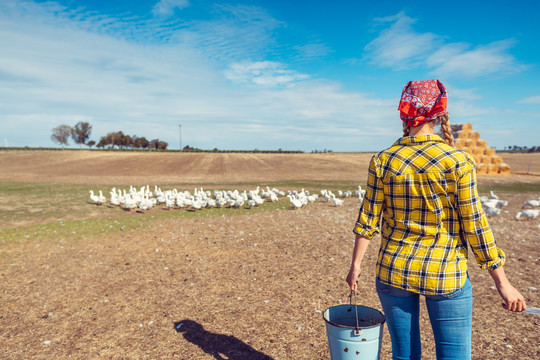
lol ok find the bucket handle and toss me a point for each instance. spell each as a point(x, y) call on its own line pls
point(357, 328)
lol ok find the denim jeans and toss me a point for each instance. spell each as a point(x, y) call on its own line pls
point(450, 316)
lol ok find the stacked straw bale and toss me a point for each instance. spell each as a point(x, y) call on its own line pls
point(486, 160)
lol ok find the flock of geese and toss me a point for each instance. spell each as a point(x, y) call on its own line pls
point(492, 206)
point(143, 199)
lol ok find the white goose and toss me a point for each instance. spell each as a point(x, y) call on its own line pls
point(337, 202)
point(169, 202)
point(102, 199)
point(93, 198)
point(296, 204)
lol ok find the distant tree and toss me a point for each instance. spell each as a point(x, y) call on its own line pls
point(158, 145)
point(91, 143)
point(141, 142)
point(116, 138)
point(61, 134)
point(81, 132)
point(163, 145)
point(102, 142)
point(127, 141)
point(112, 139)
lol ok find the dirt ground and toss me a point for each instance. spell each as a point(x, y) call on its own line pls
point(225, 287)
point(140, 168)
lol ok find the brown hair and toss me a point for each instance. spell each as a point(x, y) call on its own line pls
point(405, 129)
point(444, 121)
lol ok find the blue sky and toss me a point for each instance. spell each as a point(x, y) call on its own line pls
point(275, 74)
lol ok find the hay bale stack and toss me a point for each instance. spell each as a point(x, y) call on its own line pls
point(482, 169)
point(504, 169)
point(461, 127)
point(489, 151)
point(482, 143)
point(473, 135)
point(469, 141)
point(477, 151)
point(492, 169)
point(497, 160)
point(460, 143)
point(486, 160)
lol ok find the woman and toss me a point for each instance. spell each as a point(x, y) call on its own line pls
point(425, 190)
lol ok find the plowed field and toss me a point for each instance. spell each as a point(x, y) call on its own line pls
point(234, 285)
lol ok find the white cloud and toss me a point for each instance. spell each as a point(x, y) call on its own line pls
point(167, 7)
point(461, 93)
point(457, 59)
point(530, 100)
point(266, 73)
point(65, 71)
point(145, 76)
point(400, 47)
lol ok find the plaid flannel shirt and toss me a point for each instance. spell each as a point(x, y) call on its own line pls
point(426, 193)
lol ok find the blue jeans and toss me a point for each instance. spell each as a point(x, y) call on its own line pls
point(450, 316)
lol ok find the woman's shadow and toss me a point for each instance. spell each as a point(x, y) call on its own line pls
point(219, 346)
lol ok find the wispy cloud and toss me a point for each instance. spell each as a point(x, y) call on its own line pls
point(462, 93)
point(312, 51)
point(236, 33)
point(400, 47)
point(65, 71)
point(167, 7)
point(267, 73)
point(530, 100)
point(460, 60)
point(225, 78)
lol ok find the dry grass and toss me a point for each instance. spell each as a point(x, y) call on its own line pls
point(246, 285)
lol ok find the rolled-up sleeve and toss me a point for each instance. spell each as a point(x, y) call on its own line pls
point(474, 224)
point(367, 224)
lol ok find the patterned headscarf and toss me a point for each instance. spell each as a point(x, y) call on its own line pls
point(422, 101)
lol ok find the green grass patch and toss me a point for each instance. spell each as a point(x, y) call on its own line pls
point(71, 230)
point(510, 187)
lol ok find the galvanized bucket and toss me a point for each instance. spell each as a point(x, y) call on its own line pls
point(354, 331)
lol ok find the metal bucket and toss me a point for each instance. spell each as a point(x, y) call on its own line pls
point(354, 332)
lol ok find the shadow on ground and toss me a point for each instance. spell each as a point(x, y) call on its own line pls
point(218, 345)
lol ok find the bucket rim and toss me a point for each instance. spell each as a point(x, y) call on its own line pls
point(354, 327)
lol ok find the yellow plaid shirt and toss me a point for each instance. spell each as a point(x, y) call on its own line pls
point(426, 193)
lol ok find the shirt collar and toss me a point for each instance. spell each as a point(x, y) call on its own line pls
point(418, 140)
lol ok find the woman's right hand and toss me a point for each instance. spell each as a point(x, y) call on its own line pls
point(353, 275)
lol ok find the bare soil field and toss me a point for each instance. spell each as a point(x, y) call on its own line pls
point(140, 168)
point(233, 286)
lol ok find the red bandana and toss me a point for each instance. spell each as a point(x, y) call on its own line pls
point(422, 101)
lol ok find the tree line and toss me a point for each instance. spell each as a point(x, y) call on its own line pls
point(80, 134)
point(522, 149)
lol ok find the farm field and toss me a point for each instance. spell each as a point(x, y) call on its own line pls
point(83, 281)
